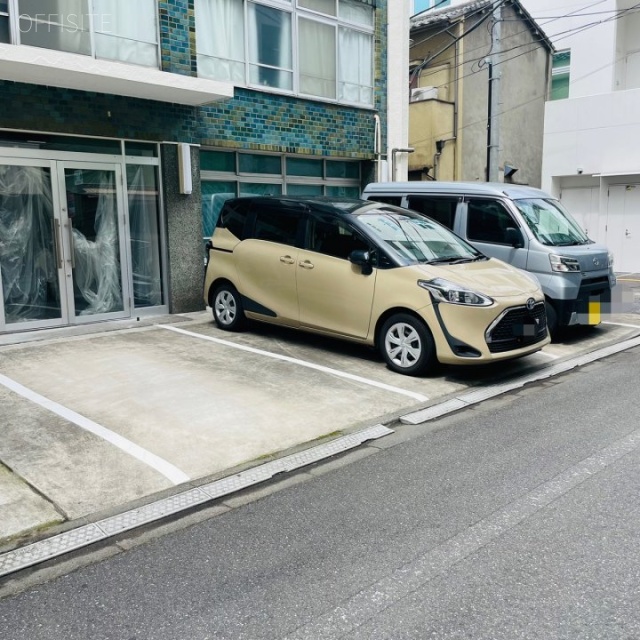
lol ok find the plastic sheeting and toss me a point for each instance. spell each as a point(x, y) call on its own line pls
point(27, 255)
point(97, 275)
point(145, 236)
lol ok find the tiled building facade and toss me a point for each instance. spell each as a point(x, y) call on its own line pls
point(97, 217)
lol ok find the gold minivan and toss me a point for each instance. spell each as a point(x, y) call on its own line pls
point(371, 273)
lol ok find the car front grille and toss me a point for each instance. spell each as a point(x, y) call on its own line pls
point(516, 328)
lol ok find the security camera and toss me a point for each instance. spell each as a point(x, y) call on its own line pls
point(579, 169)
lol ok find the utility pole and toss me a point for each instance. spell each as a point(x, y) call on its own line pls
point(493, 123)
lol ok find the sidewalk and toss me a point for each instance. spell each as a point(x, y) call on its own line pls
point(98, 420)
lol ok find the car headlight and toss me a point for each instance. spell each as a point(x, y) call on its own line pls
point(610, 255)
point(444, 291)
point(564, 264)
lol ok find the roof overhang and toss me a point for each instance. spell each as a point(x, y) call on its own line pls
point(34, 65)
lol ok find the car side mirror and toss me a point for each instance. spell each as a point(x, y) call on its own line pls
point(514, 237)
point(363, 259)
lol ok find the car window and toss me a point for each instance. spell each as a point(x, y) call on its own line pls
point(488, 221)
point(333, 237)
point(441, 209)
point(233, 217)
point(396, 200)
point(276, 222)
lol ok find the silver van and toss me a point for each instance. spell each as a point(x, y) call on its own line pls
point(525, 227)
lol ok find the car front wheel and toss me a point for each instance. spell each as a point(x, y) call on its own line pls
point(227, 308)
point(406, 345)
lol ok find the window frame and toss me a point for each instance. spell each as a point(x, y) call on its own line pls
point(297, 13)
point(15, 31)
point(282, 180)
point(560, 72)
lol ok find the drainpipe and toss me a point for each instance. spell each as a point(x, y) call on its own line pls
point(439, 147)
point(436, 157)
point(377, 146)
point(393, 159)
point(456, 98)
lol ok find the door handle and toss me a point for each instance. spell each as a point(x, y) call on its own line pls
point(72, 247)
point(287, 259)
point(57, 245)
point(306, 264)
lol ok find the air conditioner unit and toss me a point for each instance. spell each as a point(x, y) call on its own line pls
point(424, 93)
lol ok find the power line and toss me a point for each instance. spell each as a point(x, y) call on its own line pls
point(536, 42)
point(535, 45)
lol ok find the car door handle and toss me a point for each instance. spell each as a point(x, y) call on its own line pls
point(287, 259)
point(306, 264)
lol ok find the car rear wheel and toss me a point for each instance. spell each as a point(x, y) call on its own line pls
point(228, 312)
point(406, 345)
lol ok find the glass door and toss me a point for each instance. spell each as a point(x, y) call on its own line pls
point(92, 229)
point(31, 259)
point(63, 257)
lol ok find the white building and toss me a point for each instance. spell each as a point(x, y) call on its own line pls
point(591, 151)
point(591, 156)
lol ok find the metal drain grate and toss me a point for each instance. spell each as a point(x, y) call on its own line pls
point(83, 536)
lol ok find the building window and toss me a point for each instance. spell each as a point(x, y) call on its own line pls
point(227, 174)
point(560, 75)
point(319, 48)
point(269, 38)
point(105, 29)
point(5, 33)
point(422, 5)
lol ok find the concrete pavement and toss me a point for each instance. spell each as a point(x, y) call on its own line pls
point(98, 419)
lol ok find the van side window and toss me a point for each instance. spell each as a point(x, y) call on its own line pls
point(386, 199)
point(488, 221)
point(441, 209)
point(333, 237)
point(233, 217)
point(276, 222)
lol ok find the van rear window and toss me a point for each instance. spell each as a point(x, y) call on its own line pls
point(386, 199)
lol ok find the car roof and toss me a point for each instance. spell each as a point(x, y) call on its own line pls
point(326, 204)
point(437, 187)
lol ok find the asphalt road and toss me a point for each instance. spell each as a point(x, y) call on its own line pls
point(517, 519)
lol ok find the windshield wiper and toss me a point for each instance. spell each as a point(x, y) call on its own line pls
point(572, 243)
point(449, 259)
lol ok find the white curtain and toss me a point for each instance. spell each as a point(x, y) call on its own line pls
point(126, 31)
point(220, 39)
point(355, 11)
point(355, 67)
point(27, 255)
point(317, 58)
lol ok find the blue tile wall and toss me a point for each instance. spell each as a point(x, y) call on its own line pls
point(250, 120)
point(177, 36)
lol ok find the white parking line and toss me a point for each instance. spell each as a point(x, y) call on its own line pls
point(162, 466)
point(547, 354)
point(622, 324)
point(301, 363)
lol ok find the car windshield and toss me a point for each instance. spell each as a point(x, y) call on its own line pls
point(415, 238)
point(551, 223)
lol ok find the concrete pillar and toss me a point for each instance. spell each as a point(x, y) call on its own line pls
point(398, 86)
point(185, 248)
